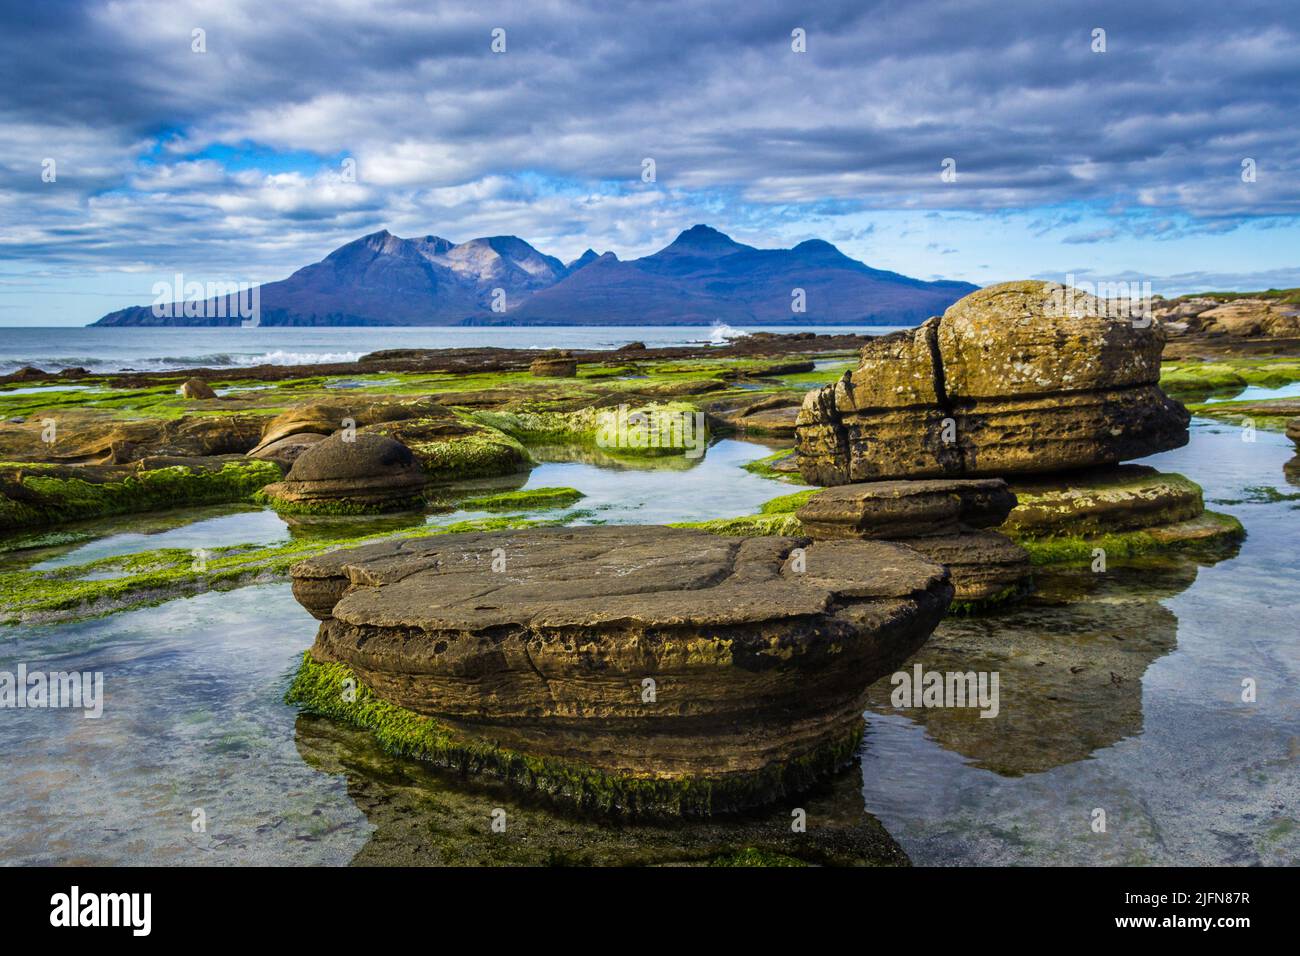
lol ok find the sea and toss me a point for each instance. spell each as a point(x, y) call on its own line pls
point(121, 349)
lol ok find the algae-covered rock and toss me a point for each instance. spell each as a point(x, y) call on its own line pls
point(1102, 500)
point(524, 499)
point(554, 366)
point(1018, 378)
point(642, 668)
point(355, 474)
point(35, 495)
point(454, 447)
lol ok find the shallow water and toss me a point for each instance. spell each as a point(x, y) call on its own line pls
point(1151, 728)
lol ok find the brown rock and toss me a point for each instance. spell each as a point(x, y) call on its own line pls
point(906, 509)
point(196, 388)
point(982, 564)
point(1102, 500)
point(1293, 430)
point(757, 668)
point(558, 365)
point(285, 451)
point(367, 473)
point(325, 418)
point(1013, 379)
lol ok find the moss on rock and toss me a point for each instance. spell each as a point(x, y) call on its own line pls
point(330, 689)
point(526, 498)
point(36, 495)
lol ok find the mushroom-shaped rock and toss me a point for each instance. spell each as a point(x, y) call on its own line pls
point(351, 474)
point(196, 388)
point(675, 670)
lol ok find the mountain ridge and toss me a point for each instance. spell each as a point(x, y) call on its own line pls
point(702, 277)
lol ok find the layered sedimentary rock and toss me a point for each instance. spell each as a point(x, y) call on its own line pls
point(1102, 500)
point(351, 474)
point(649, 668)
point(557, 365)
point(1018, 378)
point(939, 518)
point(1293, 430)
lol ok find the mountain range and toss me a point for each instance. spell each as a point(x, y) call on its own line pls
point(701, 278)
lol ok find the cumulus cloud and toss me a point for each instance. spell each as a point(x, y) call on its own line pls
point(234, 156)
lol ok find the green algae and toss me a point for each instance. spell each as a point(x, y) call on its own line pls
point(787, 504)
point(763, 468)
point(1223, 377)
point(33, 499)
point(749, 526)
point(751, 856)
point(1209, 528)
point(645, 429)
point(528, 498)
point(330, 689)
point(1254, 411)
point(123, 582)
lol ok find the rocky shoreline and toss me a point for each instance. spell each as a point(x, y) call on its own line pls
point(951, 463)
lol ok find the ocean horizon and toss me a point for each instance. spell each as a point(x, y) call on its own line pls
point(106, 349)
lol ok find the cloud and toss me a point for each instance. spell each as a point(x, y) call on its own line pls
point(232, 158)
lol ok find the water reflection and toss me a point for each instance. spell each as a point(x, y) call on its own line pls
point(1070, 662)
point(426, 817)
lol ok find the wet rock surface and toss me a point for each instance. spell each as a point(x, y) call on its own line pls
point(363, 473)
point(757, 668)
point(904, 509)
point(936, 517)
point(1018, 378)
point(1293, 430)
point(1102, 500)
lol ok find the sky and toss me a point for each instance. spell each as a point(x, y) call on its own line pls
point(240, 140)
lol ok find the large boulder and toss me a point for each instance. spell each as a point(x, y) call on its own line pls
point(1018, 378)
point(351, 474)
point(196, 388)
point(1102, 501)
point(673, 669)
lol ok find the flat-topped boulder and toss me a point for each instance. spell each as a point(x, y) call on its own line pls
point(1293, 430)
point(986, 567)
point(350, 474)
point(643, 667)
point(1018, 378)
point(937, 517)
point(555, 365)
point(905, 509)
point(1102, 500)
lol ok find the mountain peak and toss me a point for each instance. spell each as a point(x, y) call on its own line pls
point(701, 236)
